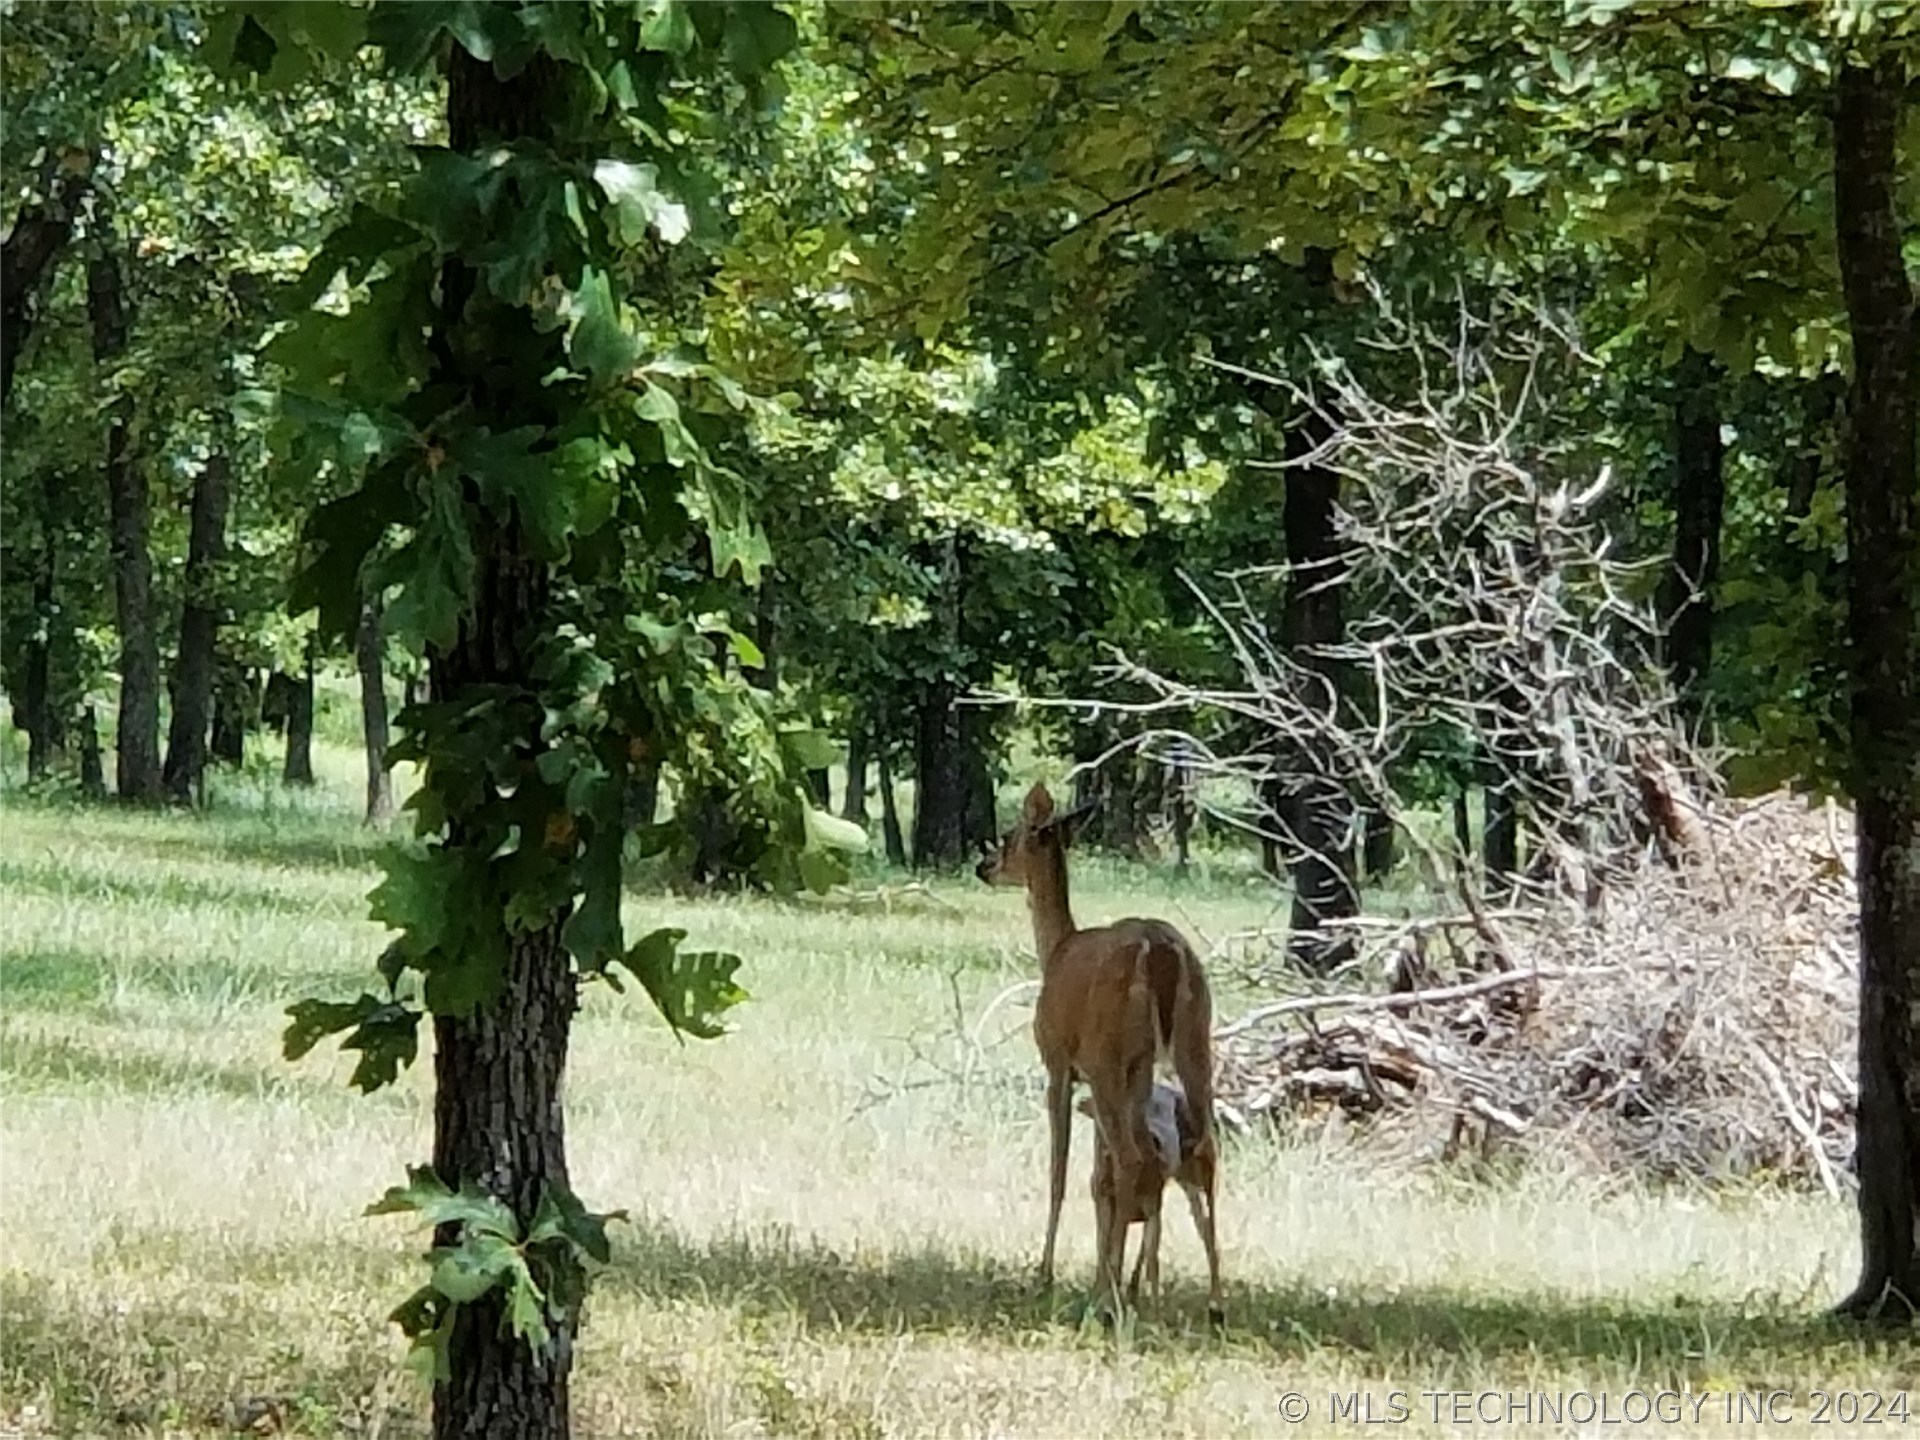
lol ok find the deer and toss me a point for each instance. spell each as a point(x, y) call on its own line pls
point(1115, 1001)
point(1174, 1154)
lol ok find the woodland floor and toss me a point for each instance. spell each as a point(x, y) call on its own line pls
point(836, 1211)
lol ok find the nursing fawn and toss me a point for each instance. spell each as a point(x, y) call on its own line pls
point(1114, 1002)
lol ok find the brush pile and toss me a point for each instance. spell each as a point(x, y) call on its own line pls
point(1699, 1022)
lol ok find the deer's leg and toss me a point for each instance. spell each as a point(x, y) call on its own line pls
point(1060, 1134)
point(1148, 1260)
point(1123, 1153)
point(1201, 1200)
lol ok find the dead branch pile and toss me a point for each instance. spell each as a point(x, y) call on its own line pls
point(1700, 1024)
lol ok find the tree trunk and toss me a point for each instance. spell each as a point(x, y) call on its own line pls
point(1181, 801)
point(978, 822)
point(1380, 843)
point(277, 703)
point(940, 783)
point(232, 699)
point(373, 714)
point(138, 745)
point(499, 1120)
point(93, 773)
point(643, 797)
point(299, 766)
point(896, 841)
point(39, 714)
point(1883, 572)
point(1500, 836)
point(853, 808)
point(1699, 497)
point(199, 629)
point(820, 782)
point(33, 244)
point(1315, 811)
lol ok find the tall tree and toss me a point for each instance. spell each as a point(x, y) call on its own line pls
point(138, 742)
point(571, 565)
point(1883, 593)
point(192, 686)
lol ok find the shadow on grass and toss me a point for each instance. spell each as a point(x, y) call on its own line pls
point(68, 980)
point(95, 886)
point(1675, 1339)
point(36, 1063)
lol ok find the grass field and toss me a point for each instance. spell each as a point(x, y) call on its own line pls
point(836, 1211)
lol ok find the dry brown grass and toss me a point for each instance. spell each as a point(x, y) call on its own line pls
point(837, 1211)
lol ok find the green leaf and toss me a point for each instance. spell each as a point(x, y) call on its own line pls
point(600, 344)
point(385, 1032)
point(428, 1196)
point(690, 989)
point(668, 27)
point(466, 1271)
point(758, 34)
point(638, 202)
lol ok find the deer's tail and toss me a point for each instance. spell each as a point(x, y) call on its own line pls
point(1181, 1004)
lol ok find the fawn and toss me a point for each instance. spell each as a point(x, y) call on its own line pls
point(1113, 1001)
point(1173, 1153)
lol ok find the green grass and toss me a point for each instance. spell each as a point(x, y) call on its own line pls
point(836, 1210)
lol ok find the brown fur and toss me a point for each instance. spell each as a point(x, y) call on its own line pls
point(1113, 1001)
point(1194, 1173)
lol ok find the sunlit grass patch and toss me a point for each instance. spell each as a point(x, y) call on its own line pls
point(835, 1212)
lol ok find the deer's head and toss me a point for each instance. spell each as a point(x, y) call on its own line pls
point(1039, 830)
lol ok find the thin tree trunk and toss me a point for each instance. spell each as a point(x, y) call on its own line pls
point(978, 822)
point(1699, 498)
point(38, 711)
point(299, 764)
point(820, 782)
point(499, 1120)
point(895, 839)
point(138, 744)
point(1380, 843)
point(232, 697)
point(1315, 810)
point(373, 714)
point(93, 774)
point(853, 806)
point(1500, 848)
point(940, 788)
point(1180, 780)
point(199, 630)
point(1883, 567)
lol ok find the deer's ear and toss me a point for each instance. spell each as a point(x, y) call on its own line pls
point(1038, 808)
point(1068, 825)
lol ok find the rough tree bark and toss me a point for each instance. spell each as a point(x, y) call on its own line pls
point(1883, 576)
point(138, 744)
point(232, 699)
point(1315, 810)
point(39, 233)
point(373, 713)
point(299, 764)
point(1686, 602)
point(498, 1114)
point(192, 689)
point(940, 785)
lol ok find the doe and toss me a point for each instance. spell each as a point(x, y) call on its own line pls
point(1114, 1001)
